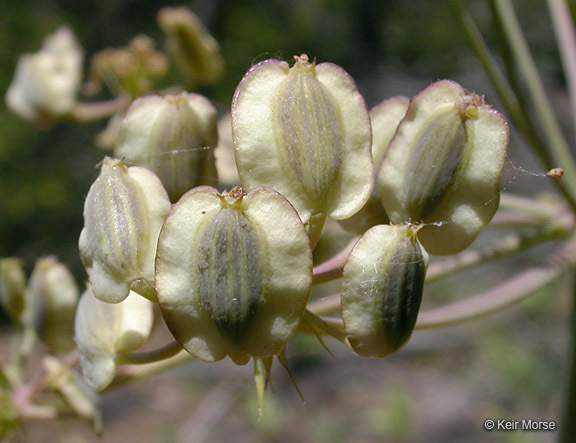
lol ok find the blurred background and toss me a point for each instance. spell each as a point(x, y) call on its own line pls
point(445, 383)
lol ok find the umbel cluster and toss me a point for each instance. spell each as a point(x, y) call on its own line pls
point(232, 269)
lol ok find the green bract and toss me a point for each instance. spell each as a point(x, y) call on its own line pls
point(104, 329)
point(305, 132)
point(233, 273)
point(443, 166)
point(173, 136)
point(123, 214)
point(382, 289)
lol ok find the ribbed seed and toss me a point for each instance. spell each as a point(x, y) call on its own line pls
point(230, 274)
point(308, 131)
point(118, 220)
point(402, 292)
point(434, 164)
point(178, 159)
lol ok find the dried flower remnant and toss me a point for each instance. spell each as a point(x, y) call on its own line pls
point(305, 132)
point(123, 215)
point(51, 299)
point(443, 167)
point(105, 330)
point(196, 52)
point(556, 173)
point(46, 83)
point(173, 136)
point(233, 273)
point(382, 289)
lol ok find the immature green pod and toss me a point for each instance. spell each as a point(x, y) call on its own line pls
point(233, 273)
point(382, 289)
point(305, 132)
point(443, 167)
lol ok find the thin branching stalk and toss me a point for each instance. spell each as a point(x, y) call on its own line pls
point(568, 424)
point(163, 353)
point(503, 88)
point(89, 112)
point(513, 244)
point(566, 37)
point(543, 109)
point(127, 374)
point(509, 293)
point(332, 268)
point(509, 245)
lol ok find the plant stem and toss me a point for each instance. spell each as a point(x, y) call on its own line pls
point(89, 112)
point(503, 88)
point(126, 374)
point(557, 143)
point(505, 294)
point(568, 423)
point(509, 245)
point(163, 353)
point(332, 269)
point(542, 210)
point(566, 37)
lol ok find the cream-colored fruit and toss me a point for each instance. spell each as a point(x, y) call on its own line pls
point(123, 214)
point(443, 167)
point(104, 330)
point(305, 132)
point(233, 273)
point(174, 137)
point(382, 289)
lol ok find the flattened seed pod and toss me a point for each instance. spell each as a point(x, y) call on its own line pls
point(102, 330)
point(382, 290)
point(50, 303)
point(444, 165)
point(385, 120)
point(174, 137)
point(305, 132)
point(123, 214)
point(233, 273)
